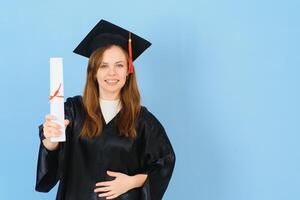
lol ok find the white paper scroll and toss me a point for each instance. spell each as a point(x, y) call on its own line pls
point(57, 96)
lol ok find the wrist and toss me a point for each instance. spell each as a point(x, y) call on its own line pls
point(133, 182)
point(138, 180)
point(51, 146)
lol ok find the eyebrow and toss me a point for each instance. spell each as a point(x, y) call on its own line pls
point(104, 63)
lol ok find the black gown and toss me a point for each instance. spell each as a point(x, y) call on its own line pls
point(80, 162)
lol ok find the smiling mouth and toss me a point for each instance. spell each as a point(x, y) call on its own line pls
point(112, 82)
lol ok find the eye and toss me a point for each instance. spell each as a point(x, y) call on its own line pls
point(120, 65)
point(103, 66)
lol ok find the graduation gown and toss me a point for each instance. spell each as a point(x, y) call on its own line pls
point(80, 162)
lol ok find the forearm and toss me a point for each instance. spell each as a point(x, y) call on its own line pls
point(138, 180)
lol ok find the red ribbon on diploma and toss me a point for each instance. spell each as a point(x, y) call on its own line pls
point(56, 93)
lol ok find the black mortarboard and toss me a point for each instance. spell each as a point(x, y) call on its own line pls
point(106, 33)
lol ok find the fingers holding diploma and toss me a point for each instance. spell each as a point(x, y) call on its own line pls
point(52, 129)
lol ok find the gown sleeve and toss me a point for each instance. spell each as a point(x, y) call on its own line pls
point(158, 159)
point(50, 163)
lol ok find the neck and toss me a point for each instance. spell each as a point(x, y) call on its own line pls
point(110, 96)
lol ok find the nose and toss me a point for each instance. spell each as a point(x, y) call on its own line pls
point(112, 70)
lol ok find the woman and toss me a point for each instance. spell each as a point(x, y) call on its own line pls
point(115, 148)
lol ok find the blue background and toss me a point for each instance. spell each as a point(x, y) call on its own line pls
point(221, 76)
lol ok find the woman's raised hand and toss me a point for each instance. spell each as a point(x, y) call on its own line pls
point(51, 129)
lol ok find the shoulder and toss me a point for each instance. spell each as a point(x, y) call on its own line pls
point(74, 102)
point(73, 105)
point(148, 119)
point(74, 99)
point(150, 128)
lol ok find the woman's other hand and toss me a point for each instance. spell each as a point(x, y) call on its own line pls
point(121, 184)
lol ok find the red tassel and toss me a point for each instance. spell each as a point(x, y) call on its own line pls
point(130, 70)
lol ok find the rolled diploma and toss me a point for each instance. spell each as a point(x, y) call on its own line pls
point(57, 101)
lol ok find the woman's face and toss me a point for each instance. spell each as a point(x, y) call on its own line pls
point(112, 73)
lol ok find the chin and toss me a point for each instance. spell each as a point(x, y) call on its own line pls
point(110, 90)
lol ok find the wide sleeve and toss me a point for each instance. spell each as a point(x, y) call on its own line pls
point(50, 163)
point(158, 159)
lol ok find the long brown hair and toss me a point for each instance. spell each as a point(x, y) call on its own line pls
point(129, 97)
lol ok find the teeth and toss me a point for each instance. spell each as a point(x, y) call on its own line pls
point(111, 81)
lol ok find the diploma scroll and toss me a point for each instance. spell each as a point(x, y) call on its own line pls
point(57, 96)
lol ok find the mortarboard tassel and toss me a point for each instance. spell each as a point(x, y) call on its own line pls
point(130, 54)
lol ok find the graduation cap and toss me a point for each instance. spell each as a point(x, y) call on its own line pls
point(106, 33)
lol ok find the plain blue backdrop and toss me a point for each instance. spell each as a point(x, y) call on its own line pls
point(221, 76)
